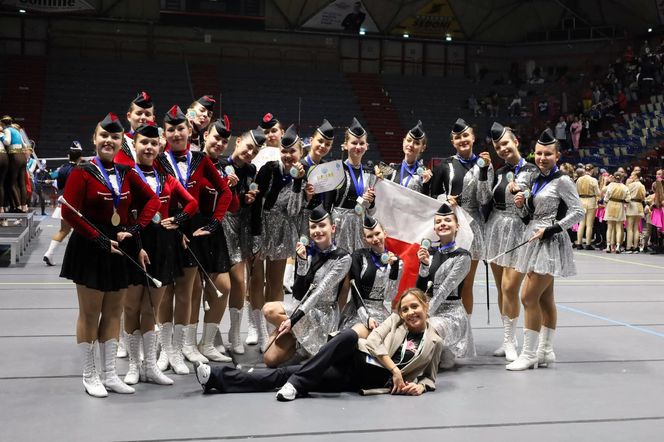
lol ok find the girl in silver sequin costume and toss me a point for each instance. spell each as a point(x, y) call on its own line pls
point(356, 197)
point(554, 207)
point(442, 273)
point(305, 322)
point(462, 181)
point(237, 227)
point(411, 172)
point(504, 230)
point(376, 273)
point(278, 205)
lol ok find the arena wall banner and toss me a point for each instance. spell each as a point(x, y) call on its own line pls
point(343, 15)
point(50, 5)
point(436, 19)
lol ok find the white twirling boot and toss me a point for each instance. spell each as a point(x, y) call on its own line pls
point(133, 373)
point(252, 328)
point(91, 381)
point(207, 344)
point(510, 343)
point(528, 357)
point(150, 372)
point(446, 359)
point(189, 349)
point(166, 342)
point(234, 332)
point(261, 323)
point(48, 256)
point(545, 355)
point(218, 342)
point(108, 351)
point(175, 356)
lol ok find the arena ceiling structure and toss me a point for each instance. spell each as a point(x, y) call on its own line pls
point(486, 21)
point(501, 21)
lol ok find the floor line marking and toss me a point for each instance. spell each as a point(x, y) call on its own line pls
point(613, 321)
point(621, 261)
point(409, 429)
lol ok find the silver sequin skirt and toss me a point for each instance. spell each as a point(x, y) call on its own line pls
point(503, 231)
point(238, 238)
point(312, 331)
point(349, 317)
point(279, 235)
point(349, 235)
point(477, 249)
point(546, 257)
point(452, 324)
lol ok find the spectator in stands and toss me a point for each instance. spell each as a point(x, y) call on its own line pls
point(473, 105)
point(575, 131)
point(515, 106)
point(561, 132)
point(543, 107)
point(646, 77)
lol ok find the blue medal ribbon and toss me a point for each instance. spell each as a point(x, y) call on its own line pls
point(145, 180)
point(410, 170)
point(309, 161)
point(177, 169)
point(518, 167)
point(116, 197)
point(359, 184)
point(542, 181)
point(446, 247)
point(473, 159)
point(377, 261)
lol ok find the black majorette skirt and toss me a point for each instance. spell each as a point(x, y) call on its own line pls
point(211, 250)
point(89, 265)
point(160, 245)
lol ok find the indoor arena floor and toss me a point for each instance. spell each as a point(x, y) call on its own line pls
point(608, 383)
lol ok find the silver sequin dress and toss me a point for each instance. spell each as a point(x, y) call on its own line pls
point(446, 312)
point(321, 311)
point(504, 229)
point(279, 232)
point(551, 256)
point(378, 287)
point(349, 232)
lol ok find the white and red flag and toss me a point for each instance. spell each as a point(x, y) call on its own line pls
point(407, 217)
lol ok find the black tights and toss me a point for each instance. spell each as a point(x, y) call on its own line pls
point(4, 165)
point(16, 180)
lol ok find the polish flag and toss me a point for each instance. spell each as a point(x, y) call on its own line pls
point(407, 217)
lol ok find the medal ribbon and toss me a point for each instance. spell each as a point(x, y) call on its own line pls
point(116, 197)
point(446, 247)
point(542, 181)
point(177, 169)
point(409, 170)
point(145, 180)
point(358, 183)
point(377, 260)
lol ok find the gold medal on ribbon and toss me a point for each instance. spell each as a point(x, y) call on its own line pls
point(115, 218)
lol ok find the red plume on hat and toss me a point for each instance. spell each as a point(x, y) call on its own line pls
point(210, 99)
point(145, 95)
point(113, 116)
point(227, 122)
point(268, 117)
point(173, 112)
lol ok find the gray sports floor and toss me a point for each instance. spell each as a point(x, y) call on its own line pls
point(608, 384)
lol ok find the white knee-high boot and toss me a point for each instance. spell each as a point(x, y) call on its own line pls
point(528, 357)
point(545, 355)
point(91, 380)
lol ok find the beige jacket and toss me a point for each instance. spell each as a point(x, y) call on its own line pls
point(589, 192)
point(386, 340)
